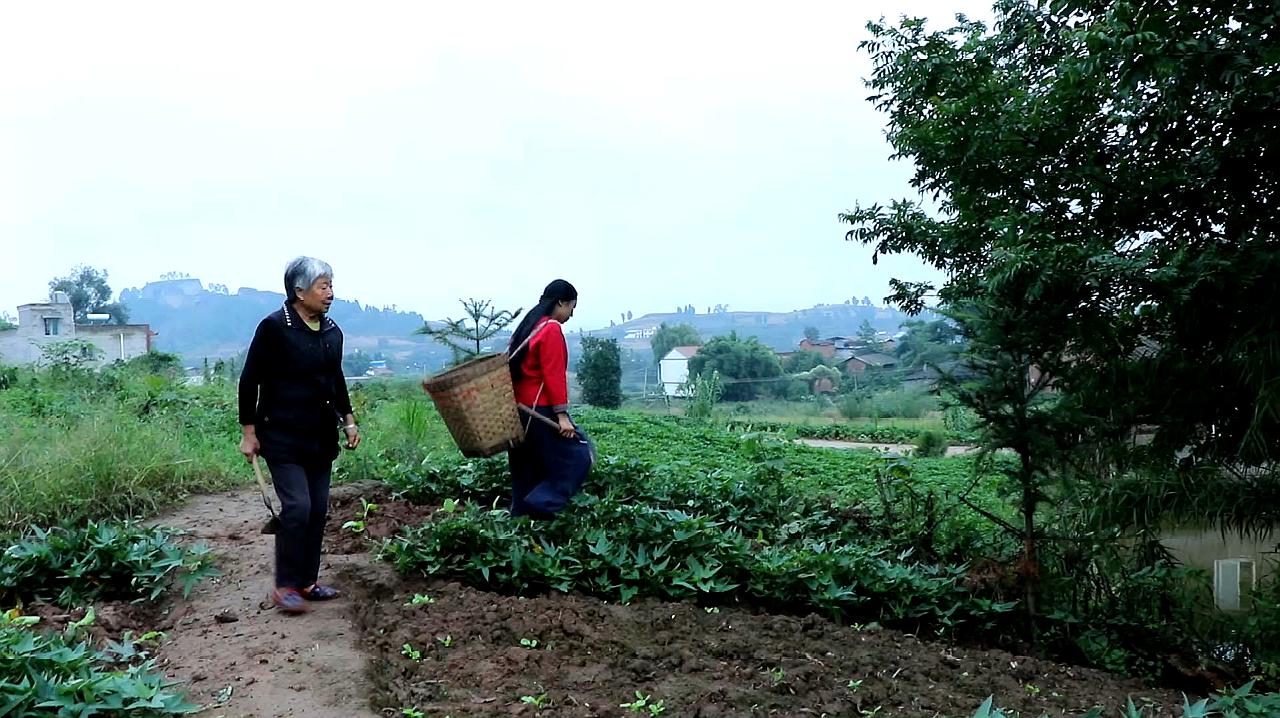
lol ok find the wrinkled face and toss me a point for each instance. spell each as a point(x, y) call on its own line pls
point(316, 298)
point(564, 311)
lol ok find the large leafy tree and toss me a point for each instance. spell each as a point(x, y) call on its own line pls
point(742, 363)
point(89, 293)
point(1099, 185)
point(670, 336)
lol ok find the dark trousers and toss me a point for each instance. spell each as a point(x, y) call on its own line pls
point(547, 469)
point(304, 505)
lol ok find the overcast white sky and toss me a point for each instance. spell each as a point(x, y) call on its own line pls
point(654, 154)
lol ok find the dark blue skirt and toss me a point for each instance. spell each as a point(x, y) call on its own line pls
point(547, 469)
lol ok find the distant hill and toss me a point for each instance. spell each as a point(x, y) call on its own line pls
point(197, 323)
point(780, 330)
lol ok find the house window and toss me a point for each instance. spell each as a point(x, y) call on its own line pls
point(1234, 581)
point(51, 326)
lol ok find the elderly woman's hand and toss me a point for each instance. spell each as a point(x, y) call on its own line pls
point(353, 435)
point(249, 445)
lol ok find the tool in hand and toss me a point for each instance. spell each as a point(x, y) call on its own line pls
point(273, 524)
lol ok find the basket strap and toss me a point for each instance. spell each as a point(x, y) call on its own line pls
point(528, 339)
point(529, 422)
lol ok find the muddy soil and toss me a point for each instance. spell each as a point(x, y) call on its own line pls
point(590, 657)
point(580, 656)
point(378, 523)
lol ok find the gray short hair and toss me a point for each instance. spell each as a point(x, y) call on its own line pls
point(302, 273)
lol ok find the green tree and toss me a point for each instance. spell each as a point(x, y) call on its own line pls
point(356, 363)
point(669, 337)
point(600, 372)
point(811, 333)
point(803, 361)
point(867, 333)
point(928, 344)
point(1108, 231)
point(741, 363)
point(466, 340)
point(819, 373)
point(89, 293)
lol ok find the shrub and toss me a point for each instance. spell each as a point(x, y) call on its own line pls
point(931, 444)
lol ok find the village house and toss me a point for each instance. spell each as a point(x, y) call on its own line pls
point(840, 348)
point(673, 370)
point(869, 361)
point(825, 347)
point(43, 323)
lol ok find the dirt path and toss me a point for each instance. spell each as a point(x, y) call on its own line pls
point(262, 664)
point(897, 448)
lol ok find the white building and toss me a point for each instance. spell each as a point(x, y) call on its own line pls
point(673, 370)
point(42, 323)
point(637, 333)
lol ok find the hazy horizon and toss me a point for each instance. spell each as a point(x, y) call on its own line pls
point(654, 157)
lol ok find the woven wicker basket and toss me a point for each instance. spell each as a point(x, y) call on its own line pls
point(477, 404)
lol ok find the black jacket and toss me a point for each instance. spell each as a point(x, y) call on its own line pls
point(292, 388)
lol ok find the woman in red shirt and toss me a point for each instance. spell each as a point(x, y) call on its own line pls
point(549, 465)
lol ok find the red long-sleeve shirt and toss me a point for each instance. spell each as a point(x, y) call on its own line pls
point(544, 379)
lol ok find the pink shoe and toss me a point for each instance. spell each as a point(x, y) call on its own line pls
point(288, 600)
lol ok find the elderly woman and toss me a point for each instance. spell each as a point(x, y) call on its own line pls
point(293, 400)
point(552, 462)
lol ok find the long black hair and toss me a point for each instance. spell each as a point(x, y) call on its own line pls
point(557, 291)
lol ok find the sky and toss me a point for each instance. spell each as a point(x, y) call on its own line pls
point(655, 155)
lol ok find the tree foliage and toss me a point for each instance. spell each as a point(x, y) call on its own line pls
point(89, 293)
point(69, 355)
point(928, 344)
point(670, 336)
point(820, 373)
point(867, 333)
point(356, 363)
point(741, 363)
point(1103, 188)
point(802, 361)
point(466, 340)
point(600, 372)
point(703, 391)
